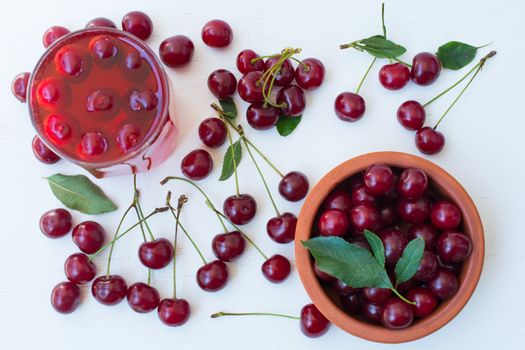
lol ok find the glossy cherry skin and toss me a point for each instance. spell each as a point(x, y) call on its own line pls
point(53, 34)
point(222, 83)
point(321, 275)
point(388, 214)
point(426, 301)
point(412, 183)
point(101, 22)
point(109, 290)
point(65, 297)
point(56, 223)
point(79, 269)
point(212, 276)
point(453, 247)
point(292, 101)
point(427, 267)
point(394, 76)
point(395, 243)
point(42, 152)
point(247, 61)
point(341, 200)
point(349, 107)
point(217, 33)
point(19, 86)
point(429, 141)
point(313, 323)
point(342, 288)
point(445, 215)
point(285, 74)
point(174, 312)
point(281, 229)
point(426, 231)
point(377, 295)
point(371, 311)
point(397, 314)
point(379, 179)
point(250, 87)
point(411, 115)
point(444, 284)
point(309, 74)
point(360, 195)
point(228, 246)
point(137, 23)
point(425, 68)
point(142, 298)
point(212, 132)
point(350, 303)
point(276, 268)
point(333, 222)
point(294, 186)
point(89, 236)
point(455, 268)
point(197, 165)
point(176, 51)
point(261, 117)
point(156, 254)
point(414, 211)
point(93, 144)
point(240, 209)
point(364, 217)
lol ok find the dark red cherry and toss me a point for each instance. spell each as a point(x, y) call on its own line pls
point(333, 222)
point(294, 186)
point(426, 231)
point(453, 247)
point(133, 60)
point(341, 200)
point(397, 314)
point(217, 33)
point(69, 61)
point(394, 242)
point(388, 214)
point(394, 76)
point(19, 86)
point(444, 284)
point(364, 217)
point(412, 183)
point(174, 312)
point(93, 144)
point(250, 87)
point(379, 179)
point(292, 101)
point(142, 298)
point(411, 115)
point(285, 74)
point(350, 303)
point(56, 223)
point(128, 137)
point(371, 311)
point(212, 132)
point(427, 267)
point(89, 236)
point(240, 209)
point(445, 215)
point(42, 152)
point(143, 100)
point(377, 295)
point(425, 300)
point(281, 229)
point(176, 51)
point(455, 268)
point(313, 322)
point(100, 22)
point(65, 297)
point(276, 268)
point(137, 23)
point(425, 68)
point(222, 83)
point(321, 275)
point(53, 34)
point(262, 117)
point(103, 47)
point(247, 61)
point(109, 290)
point(360, 195)
point(79, 269)
point(349, 107)
point(197, 165)
point(212, 276)
point(156, 254)
point(228, 246)
point(429, 140)
point(342, 288)
point(414, 211)
point(309, 74)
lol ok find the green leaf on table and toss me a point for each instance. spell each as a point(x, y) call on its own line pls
point(456, 55)
point(286, 125)
point(232, 158)
point(378, 249)
point(79, 193)
point(348, 262)
point(229, 108)
point(409, 262)
point(380, 47)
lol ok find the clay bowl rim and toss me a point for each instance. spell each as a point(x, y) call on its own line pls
point(469, 275)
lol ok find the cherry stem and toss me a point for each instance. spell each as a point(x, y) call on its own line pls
point(383, 19)
point(178, 223)
point(182, 199)
point(220, 314)
point(140, 216)
point(479, 67)
point(139, 208)
point(234, 161)
point(402, 297)
point(364, 76)
point(114, 237)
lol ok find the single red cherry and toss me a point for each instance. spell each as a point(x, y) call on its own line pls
point(93, 144)
point(174, 312)
point(333, 222)
point(453, 247)
point(341, 200)
point(137, 23)
point(429, 140)
point(65, 297)
point(56, 223)
point(292, 101)
point(412, 183)
point(427, 267)
point(414, 211)
point(379, 179)
point(109, 290)
point(276, 269)
point(313, 322)
point(425, 300)
point(364, 217)
point(426, 231)
point(79, 269)
point(377, 295)
point(156, 254)
point(143, 100)
point(281, 229)
point(212, 276)
point(411, 115)
point(247, 61)
point(349, 107)
point(103, 47)
point(89, 236)
point(321, 275)
point(309, 74)
point(142, 298)
point(101, 22)
point(69, 61)
point(343, 289)
point(197, 165)
point(176, 51)
point(294, 186)
point(228, 246)
point(128, 137)
point(360, 195)
point(133, 60)
point(250, 87)
point(394, 242)
point(397, 314)
point(240, 209)
point(53, 34)
point(261, 116)
point(19, 86)
point(222, 83)
point(425, 68)
point(217, 33)
point(285, 74)
point(445, 215)
point(394, 76)
point(350, 303)
point(42, 152)
point(444, 284)
point(371, 311)
point(212, 132)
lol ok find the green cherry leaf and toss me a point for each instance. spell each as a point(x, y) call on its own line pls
point(232, 158)
point(229, 108)
point(380, 47)
point(378, 249)
point(348, 262)
point(456, 55)
point(79, 193)
point(409, 262)
point(286, 125)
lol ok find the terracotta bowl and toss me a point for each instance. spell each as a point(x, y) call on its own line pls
point(468, 278)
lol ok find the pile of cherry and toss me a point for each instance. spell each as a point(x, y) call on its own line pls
point(400, 205)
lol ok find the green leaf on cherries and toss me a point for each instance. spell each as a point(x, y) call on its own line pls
point(380, 47)
point(232, 158)
point(229, 108)
point(409, 262)
point(351, 263)
point(286, 125)
point(378, 249)
point(79, 193)
point(456, 55)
